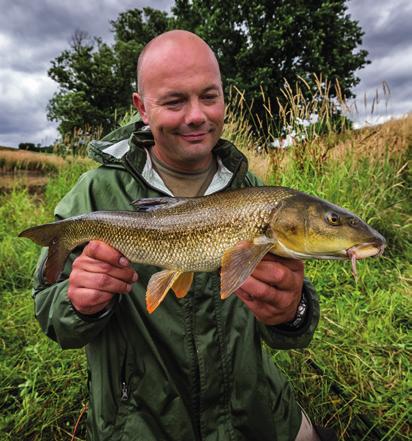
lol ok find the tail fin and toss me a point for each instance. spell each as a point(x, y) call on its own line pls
point(53, 236)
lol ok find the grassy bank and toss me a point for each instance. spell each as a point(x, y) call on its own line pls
point(354, 376)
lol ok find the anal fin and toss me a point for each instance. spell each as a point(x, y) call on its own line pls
point(182, 284)
point(239, 262)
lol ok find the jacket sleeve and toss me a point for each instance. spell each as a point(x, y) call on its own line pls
point(53, 309)
point(282, 337)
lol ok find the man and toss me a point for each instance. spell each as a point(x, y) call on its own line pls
point(195, 368)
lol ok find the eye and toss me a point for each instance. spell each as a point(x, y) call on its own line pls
point(332, 218)
point(173, 104)
point(209, 97)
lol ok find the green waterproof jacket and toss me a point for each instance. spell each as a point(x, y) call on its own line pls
point(193, 370)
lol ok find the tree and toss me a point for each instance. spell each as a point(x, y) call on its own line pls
point(27, 146)
point(259, 45)
point(95, 80)
point(262, 43)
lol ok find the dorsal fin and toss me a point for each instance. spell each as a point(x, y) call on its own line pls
point(151, 204)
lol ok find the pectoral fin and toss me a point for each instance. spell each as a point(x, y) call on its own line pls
point(240, 261)
point(160, 283)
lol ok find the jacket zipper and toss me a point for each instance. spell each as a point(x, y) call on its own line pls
point(125, 392)
point(194, 369)
point(123, 383)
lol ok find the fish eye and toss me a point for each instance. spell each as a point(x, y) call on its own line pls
point(333, 219)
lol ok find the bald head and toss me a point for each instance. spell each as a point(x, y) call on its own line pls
point(168, 46)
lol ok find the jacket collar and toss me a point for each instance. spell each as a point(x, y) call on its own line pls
point(126, 148)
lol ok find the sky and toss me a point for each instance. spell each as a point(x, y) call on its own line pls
point(32, 33)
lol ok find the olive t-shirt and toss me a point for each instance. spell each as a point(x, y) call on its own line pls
point(185, 184)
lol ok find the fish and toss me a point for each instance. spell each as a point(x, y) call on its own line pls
point(230, 230)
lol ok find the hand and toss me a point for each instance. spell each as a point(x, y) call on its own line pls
point(98, 274)
point(273, 291)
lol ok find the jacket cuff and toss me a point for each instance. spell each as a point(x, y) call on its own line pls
point(108, 310)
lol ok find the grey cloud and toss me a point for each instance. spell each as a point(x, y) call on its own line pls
point(387, 25)
point(46, 26)
point(58, 19)
point(388, 39)
point(32, 33)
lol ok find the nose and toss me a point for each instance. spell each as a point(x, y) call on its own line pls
point(195, 115)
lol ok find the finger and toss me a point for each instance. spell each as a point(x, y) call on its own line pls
point(100, 282)
point(263, 311)
point(292, 264)
point(277, 274)
point(259, 289)
point(105, 253)
point(88, 264)
point(280, 300)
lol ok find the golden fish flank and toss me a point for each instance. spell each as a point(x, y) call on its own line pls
point(232, 230)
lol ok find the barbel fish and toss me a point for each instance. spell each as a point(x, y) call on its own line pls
point(232, 230)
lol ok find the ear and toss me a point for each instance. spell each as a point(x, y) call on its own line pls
point(139, 104)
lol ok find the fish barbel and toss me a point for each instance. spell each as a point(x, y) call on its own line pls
point(232, 230)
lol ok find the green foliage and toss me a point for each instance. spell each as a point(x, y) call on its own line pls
point(95, 80)
point(90, 88)
point(259, 45)
point(16, 256)
point(266, 44)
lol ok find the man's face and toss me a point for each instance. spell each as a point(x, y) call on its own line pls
point(182, 102)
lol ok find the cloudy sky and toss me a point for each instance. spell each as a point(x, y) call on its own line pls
point(32, 33)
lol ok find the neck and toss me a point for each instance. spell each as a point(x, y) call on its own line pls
point(182, 166)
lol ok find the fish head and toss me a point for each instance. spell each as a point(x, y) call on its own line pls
point(308, 227)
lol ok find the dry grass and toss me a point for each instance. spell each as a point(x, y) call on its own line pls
point(376, 142)
point(329, 138)
point(12, 160)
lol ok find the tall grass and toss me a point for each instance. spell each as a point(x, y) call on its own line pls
point(75, 143)
point(42, 388)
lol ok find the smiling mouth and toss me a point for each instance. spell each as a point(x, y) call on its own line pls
point(194, 136)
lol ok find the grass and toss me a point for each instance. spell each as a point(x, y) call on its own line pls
point(42, 389)
point(355, 375)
